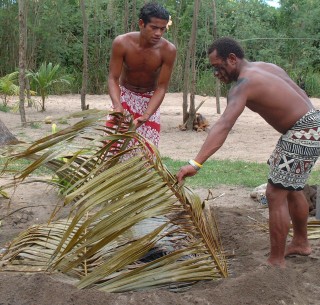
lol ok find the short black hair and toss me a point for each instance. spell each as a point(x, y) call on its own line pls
point(153, 9)
point(225, 46)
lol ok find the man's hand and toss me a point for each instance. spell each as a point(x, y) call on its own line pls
point(118, 109)
point(114, 120)
point(141, 120)
point(185, 171)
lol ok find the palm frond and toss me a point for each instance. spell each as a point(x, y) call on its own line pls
point(131, 226)
point(313, 229)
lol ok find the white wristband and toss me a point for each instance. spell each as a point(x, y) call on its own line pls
point(194, 165)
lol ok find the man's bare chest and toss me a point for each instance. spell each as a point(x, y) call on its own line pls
point(147, 61)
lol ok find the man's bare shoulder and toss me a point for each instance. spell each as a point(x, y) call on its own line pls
point(126, 38)
point(266, 67)
point(168, 48)
point(168, 44)
point(260, 73)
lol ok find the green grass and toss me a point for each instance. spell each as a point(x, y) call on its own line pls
point(217, 172)
point(5, 108)
point(35, 125)
point(17, 165)
point(213, 173)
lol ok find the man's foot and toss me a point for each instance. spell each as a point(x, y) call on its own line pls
point(293, 249)
point(276, 263)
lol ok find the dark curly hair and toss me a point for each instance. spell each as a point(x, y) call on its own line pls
point(225, 46)
point(153, 9)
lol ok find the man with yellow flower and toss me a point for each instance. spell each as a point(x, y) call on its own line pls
point(140, 69)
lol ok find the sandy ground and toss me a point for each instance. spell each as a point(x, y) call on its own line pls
point(251, 139)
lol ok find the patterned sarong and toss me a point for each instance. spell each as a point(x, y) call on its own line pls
point(136, 104)
point(296, 153)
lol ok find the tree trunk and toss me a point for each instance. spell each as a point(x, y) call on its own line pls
point(28, 92)
point(126, 16)
point(85, 57)
point(193, 39)
point(134, 22)
point(186, 73)
point(6, 137)
point(22, 58)
point(218, 87)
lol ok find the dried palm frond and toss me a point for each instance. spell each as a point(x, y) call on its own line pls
point(313, 229)
point(131, 226)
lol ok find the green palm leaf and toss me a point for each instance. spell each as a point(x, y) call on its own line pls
point(8, 85)
point(131, 226)
point(43, 79)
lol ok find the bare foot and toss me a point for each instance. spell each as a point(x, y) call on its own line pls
point(293, 249)
point(276, 263)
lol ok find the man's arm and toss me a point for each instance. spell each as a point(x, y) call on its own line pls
point(237, 99)
point(162, 84)
point(115, 68)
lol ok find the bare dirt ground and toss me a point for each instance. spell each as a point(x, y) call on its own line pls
point(249, 282)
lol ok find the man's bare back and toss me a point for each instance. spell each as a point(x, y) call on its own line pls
point(272, 94)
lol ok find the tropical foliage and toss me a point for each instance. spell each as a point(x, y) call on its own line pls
point(8, 86)
point(288, 36)
point(45, 78)
point(131, 226)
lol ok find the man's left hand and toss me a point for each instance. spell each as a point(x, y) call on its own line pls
point(140, 120)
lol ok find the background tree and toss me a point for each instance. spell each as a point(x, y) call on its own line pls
point(191, 54)
point(288, 36)
point(22, 58)
point(215, 36)
point(85, 57)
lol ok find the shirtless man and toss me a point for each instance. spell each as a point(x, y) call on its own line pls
point(140, 69)
point(267, 89)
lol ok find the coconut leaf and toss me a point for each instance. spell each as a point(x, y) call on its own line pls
point(313, 229)
point(131, 226)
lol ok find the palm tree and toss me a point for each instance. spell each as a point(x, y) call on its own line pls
point(45, 78)
point(8, 86)
point(131, 226)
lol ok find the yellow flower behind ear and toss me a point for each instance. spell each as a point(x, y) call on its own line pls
point(169, 23)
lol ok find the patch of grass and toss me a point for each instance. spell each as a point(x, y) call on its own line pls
point(314, 177)
point(218, 172)
point(35, 125)
point(4, 108)
point(213, 173)
point(63, 121)
point(17, 165)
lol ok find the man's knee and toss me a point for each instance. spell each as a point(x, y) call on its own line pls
point(296, 196)
point(275, 193)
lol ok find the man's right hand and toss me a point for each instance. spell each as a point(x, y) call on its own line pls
point(118, 109)
point(185, 171)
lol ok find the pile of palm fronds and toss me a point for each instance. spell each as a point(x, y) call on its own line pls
point(131, 226)
point(313, 228)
